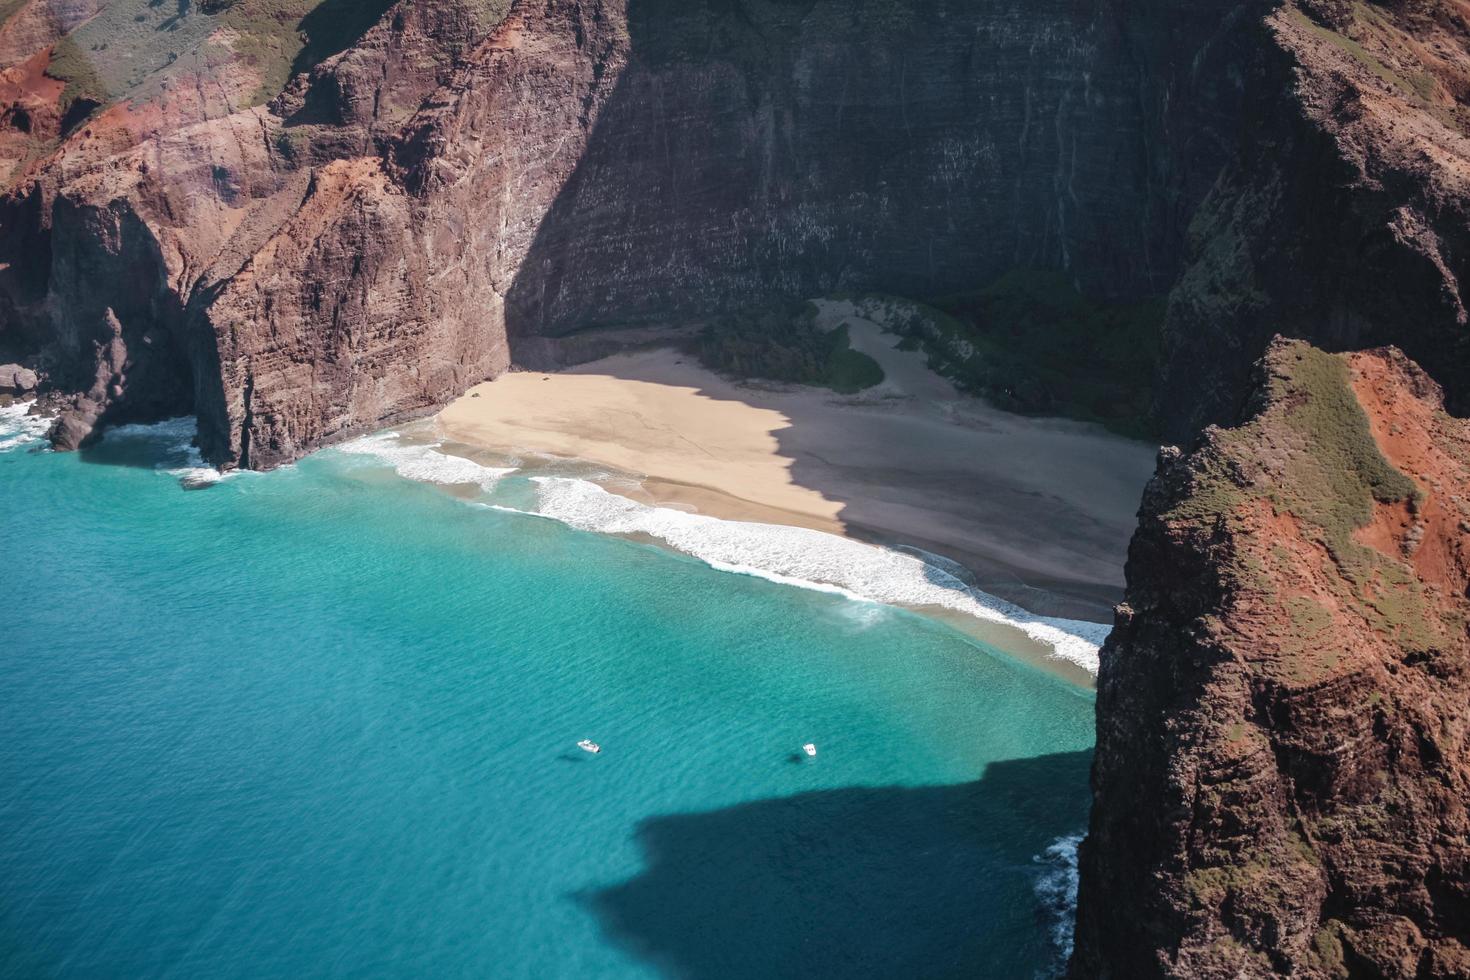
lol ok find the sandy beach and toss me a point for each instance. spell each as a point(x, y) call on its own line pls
point(1039, 510)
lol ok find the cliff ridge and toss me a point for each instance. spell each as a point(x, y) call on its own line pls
point(1283, 758)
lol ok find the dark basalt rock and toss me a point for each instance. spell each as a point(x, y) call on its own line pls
point(1281, 785)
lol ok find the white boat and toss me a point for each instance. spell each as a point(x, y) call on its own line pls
point(810, 749)
point(587, 745)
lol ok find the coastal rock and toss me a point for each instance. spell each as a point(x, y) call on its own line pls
point(459, 181)
point(1282, 776)
point(469, 180)
point(16, 379)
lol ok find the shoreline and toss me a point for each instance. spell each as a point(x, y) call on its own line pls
point(1031, 515)
point(1003, 633)
point(1010, 639)
point(1039, 510)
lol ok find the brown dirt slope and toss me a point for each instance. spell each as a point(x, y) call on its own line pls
point(1283, 760)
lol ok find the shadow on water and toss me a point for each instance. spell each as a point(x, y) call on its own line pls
point(931, 881)
point(166, 445)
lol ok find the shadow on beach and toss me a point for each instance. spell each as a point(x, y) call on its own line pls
point(932, 881)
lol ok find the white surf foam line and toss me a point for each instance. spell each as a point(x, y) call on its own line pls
point(425, 463)
point(1056, 891)
point(18, 429)
point(176, 438)
point(810, 559)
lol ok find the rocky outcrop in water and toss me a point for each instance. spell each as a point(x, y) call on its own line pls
point(1282, 778)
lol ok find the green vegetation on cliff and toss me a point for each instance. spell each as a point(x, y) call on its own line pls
point(1335, 484)
point(8, 9)
point(133, 44)
point(1310, 454)
point(1031, 343)
point(785, 344)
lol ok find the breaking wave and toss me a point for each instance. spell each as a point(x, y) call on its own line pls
point(1056, 894)
point(173, 441)
point(425, 463)
point(19, 429)
point(810, 559)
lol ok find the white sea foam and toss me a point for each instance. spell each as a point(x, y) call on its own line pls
point(811, 559)
point(18, 429)
point(425, 463)
point(1056, 893)
point(180, 458)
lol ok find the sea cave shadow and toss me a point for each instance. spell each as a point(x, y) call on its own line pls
point(931, 881)
point(110, 447)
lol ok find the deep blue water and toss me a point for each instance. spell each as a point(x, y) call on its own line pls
point(322, 721)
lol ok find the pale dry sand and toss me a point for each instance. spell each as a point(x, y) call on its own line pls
point(1039, 510)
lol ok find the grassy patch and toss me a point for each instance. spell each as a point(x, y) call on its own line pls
point(784, 344)
point(850, 370)
point(133, 45)
point(8, 9)
point(85, 90)
point(1361, 55)
point(1311, 454)
point(1327, 951)
point(1210, 886)
point(1335, 483)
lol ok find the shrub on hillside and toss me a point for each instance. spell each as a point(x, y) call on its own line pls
point(784, 344)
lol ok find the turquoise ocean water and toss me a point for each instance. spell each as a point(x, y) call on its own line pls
point(321, 722)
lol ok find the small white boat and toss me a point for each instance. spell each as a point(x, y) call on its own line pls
point(587, 745)
point(810, 749)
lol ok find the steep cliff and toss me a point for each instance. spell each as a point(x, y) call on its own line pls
point(1283, 762)
point(1340, 215)
point(450, 187)
point(482, 183)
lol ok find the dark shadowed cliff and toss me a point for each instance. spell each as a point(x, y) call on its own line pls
point(458, 181)
point(1281, 781)
point(1340, 215)
point(440, 188)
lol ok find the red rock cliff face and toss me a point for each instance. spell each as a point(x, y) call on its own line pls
point(590, 163)
point(383, 293)
point(293, 272)
point(451, 188)
point(1280, 784)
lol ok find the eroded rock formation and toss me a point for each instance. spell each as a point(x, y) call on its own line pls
point(451, 184)
point(456, 183)
point(1280, 784)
